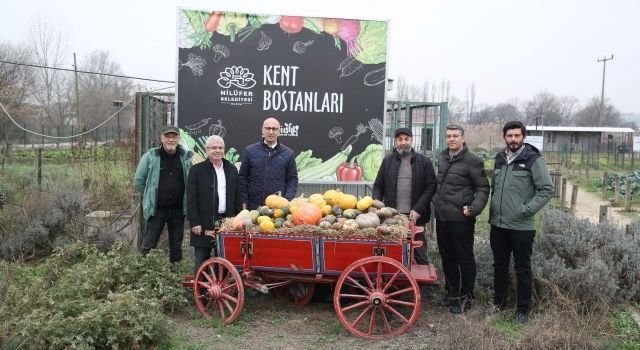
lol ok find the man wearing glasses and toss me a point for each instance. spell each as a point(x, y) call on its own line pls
point(267, 167)
point(212, 194)
point(160, 178)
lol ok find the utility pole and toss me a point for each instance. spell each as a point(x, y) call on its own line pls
point(75, 68)
point(604, 69)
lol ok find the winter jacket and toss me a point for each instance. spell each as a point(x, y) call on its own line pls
point(423, 183)
point(461, 181)
point(265, 171)
point(202, 198)
point(519, 190)
point(147, 178)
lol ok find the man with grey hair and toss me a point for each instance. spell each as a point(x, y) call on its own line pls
point(406, 181)
point(267, 167)
point(212, 194)
point(463, 191)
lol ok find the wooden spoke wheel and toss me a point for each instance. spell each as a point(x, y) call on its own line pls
point(300, 293)
point(218, 290)
point(377, 297)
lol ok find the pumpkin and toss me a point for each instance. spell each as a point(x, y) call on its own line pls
point(278, 213)
point(385, 213)
point(390, 221)
point(254, 214)
point(289, 224)
point(324, 225)
point(296, 201)
point(293, 208)
point(372, 210)
point(307, 213)
point(336, 226)
point(368, 220)
point(240, 222)
point(285, 210)
point(329, 218)
point(326, 209)
point(364, 203)
point(332, 196)
point(350, 225)
point(350, 214)
point(341, 220)
point(262, 218)
point(348, 201)
point(267, 225)
point(377, 204)
point(318, 200)
point(265, 211)
point(336, 210)
point(244, 212)
point(279, 222)
point(276, 201)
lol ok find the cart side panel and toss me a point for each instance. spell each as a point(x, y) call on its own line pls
point(338, 254)
point(271, 252)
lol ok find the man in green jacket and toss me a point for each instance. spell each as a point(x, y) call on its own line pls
point(521, 186)
point(160, 178)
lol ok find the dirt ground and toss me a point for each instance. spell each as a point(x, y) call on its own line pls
point(588, 207)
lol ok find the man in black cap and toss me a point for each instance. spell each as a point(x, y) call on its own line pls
point(406, 181)
point(160, 178)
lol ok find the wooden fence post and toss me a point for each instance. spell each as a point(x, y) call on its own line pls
point(627, 196)
point(574, 199)
point(563, 198)
point(605, 177)
point(616, 193)
point(604, 211)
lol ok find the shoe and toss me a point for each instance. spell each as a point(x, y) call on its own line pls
point(520, 318)
point(460, 307)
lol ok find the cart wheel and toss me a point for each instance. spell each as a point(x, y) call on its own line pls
point(300, 293)
point(218, 290)
point(366, 303)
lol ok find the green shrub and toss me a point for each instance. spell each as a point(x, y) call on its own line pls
point(83, 298)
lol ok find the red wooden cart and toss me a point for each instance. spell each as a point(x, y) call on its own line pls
point(375, 282)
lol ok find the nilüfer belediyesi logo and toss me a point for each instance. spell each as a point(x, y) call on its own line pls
point(240, 78)
point(237, 76)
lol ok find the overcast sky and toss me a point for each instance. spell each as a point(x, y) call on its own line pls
point(511, 49)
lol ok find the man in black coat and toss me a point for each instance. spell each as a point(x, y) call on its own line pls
point(406, 181)
point(212, 194)
point(463, 191)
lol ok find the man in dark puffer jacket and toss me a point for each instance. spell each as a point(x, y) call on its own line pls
point(463, 191)
point(406, 181)
point(267, 167)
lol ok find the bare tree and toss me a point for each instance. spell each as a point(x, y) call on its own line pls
point(470, 100)
point(15, 80)
point(555, 110)
point(48, 47)
point(98, 92)
point(593, 115)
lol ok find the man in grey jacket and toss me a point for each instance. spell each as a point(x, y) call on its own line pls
point(521, 186)
point(463, 191)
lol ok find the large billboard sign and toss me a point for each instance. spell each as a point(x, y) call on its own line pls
point(322, 78)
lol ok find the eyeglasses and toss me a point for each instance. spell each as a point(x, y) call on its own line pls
point(271, 128)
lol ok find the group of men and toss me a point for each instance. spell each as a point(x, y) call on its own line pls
point(214, 189)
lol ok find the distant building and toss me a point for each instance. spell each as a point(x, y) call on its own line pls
point(596, 138)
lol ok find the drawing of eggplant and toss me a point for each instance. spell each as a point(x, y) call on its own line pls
point(375, 77)
point(197, 125)
point(349, 66)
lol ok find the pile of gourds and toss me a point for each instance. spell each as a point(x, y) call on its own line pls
point(332, 210)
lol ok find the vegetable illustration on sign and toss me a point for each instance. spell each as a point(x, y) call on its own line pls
point(246, 67)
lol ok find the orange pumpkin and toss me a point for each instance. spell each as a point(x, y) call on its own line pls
point(306, 213)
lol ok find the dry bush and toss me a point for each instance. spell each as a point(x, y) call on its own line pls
point(486, 136)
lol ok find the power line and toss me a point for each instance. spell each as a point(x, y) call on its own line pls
point(82, 133)
point(85, 72)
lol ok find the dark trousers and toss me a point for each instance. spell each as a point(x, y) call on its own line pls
point(174, 220)
point(520, 243)
point(200, 254)
point(420, 254)
point(455, 242)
